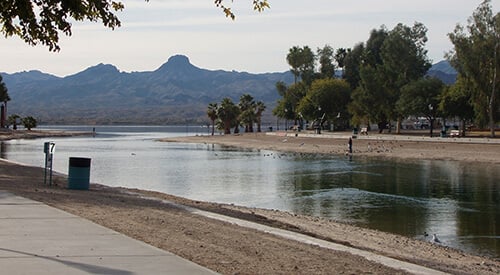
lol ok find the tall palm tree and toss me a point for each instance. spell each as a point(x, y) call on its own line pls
point(212, 114)
point(247, 115)
point(260, 107)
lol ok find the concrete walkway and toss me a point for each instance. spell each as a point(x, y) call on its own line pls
point(38, 239)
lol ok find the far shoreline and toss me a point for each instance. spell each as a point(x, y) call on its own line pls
point(9, 134)
point(398, 147)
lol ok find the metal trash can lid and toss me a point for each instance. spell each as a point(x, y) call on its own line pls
point(79, 162)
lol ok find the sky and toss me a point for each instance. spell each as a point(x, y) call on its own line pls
point(153, 31)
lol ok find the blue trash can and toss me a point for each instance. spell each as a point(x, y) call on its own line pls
point(79, 173)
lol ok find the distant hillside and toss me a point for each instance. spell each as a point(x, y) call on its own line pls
point(444, 71)
point(176, 93)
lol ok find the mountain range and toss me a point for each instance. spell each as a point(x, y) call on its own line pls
point(176, 92)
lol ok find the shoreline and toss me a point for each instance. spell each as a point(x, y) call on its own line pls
point(9, 134)
point(400, 147)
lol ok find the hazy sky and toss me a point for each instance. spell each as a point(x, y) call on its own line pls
point(153, 31)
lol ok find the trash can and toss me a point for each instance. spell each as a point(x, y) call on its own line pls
point(79, 173)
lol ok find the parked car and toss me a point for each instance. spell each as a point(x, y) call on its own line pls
point(422, 124)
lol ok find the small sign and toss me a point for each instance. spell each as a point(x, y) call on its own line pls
point(48, 149)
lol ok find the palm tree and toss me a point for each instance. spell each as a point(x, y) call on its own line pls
point(227, 113)
point(260, 107)
point(212, 114)
point(12, 119)
point(247, 115)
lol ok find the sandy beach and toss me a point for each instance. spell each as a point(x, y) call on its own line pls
point(231, 249)
point(8, 134)
point(400, 147)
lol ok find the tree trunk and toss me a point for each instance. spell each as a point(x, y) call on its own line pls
point(431, 126)
point(5, 112)
point(2, 116)
point(463, 128)
point(213, 126)
point(227, 127)
point(493, 90)
point(398, 126)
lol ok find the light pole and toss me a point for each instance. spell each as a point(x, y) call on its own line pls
point(431, 117)
point(319, 123)
point(286, 119)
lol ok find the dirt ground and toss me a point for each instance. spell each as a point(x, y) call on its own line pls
point(231, 249)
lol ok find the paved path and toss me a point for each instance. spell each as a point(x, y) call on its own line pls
point(38, 239)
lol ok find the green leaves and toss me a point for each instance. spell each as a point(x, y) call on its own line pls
point(259, 6)
point(476, 56)
point(41, 21)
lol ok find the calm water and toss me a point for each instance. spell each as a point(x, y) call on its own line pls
point(459, 202)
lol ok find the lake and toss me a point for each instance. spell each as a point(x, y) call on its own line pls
point(460, 202)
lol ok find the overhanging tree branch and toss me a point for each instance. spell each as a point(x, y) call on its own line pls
point(41, 21)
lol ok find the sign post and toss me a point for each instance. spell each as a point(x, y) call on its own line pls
point(48, 149)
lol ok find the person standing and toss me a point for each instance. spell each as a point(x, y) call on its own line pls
point(350, 145)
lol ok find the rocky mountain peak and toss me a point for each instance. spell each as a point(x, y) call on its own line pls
point(177, 63)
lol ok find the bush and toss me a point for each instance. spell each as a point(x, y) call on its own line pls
point(29, 122)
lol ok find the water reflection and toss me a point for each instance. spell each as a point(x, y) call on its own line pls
point(3, 149)
point(458, 202)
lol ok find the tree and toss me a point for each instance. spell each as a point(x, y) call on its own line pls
point(4, 97)
point(455, 102)
point(212, 114)
point(29, 122)
point(260, 107)
point(302, 62)
point(227, 114)
point(364, 70)
point(340, 56)
point(421, 98)
point(293, 59)
point(476, 57)
point(325, 58)
point(12, 120)
point(41, 21)
point(281, 88)
point(352, 62)
point(326, 96)
point(247, 112)
point(287, 105)
point(373, 49)
point(368, 100)
point(404, 60)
